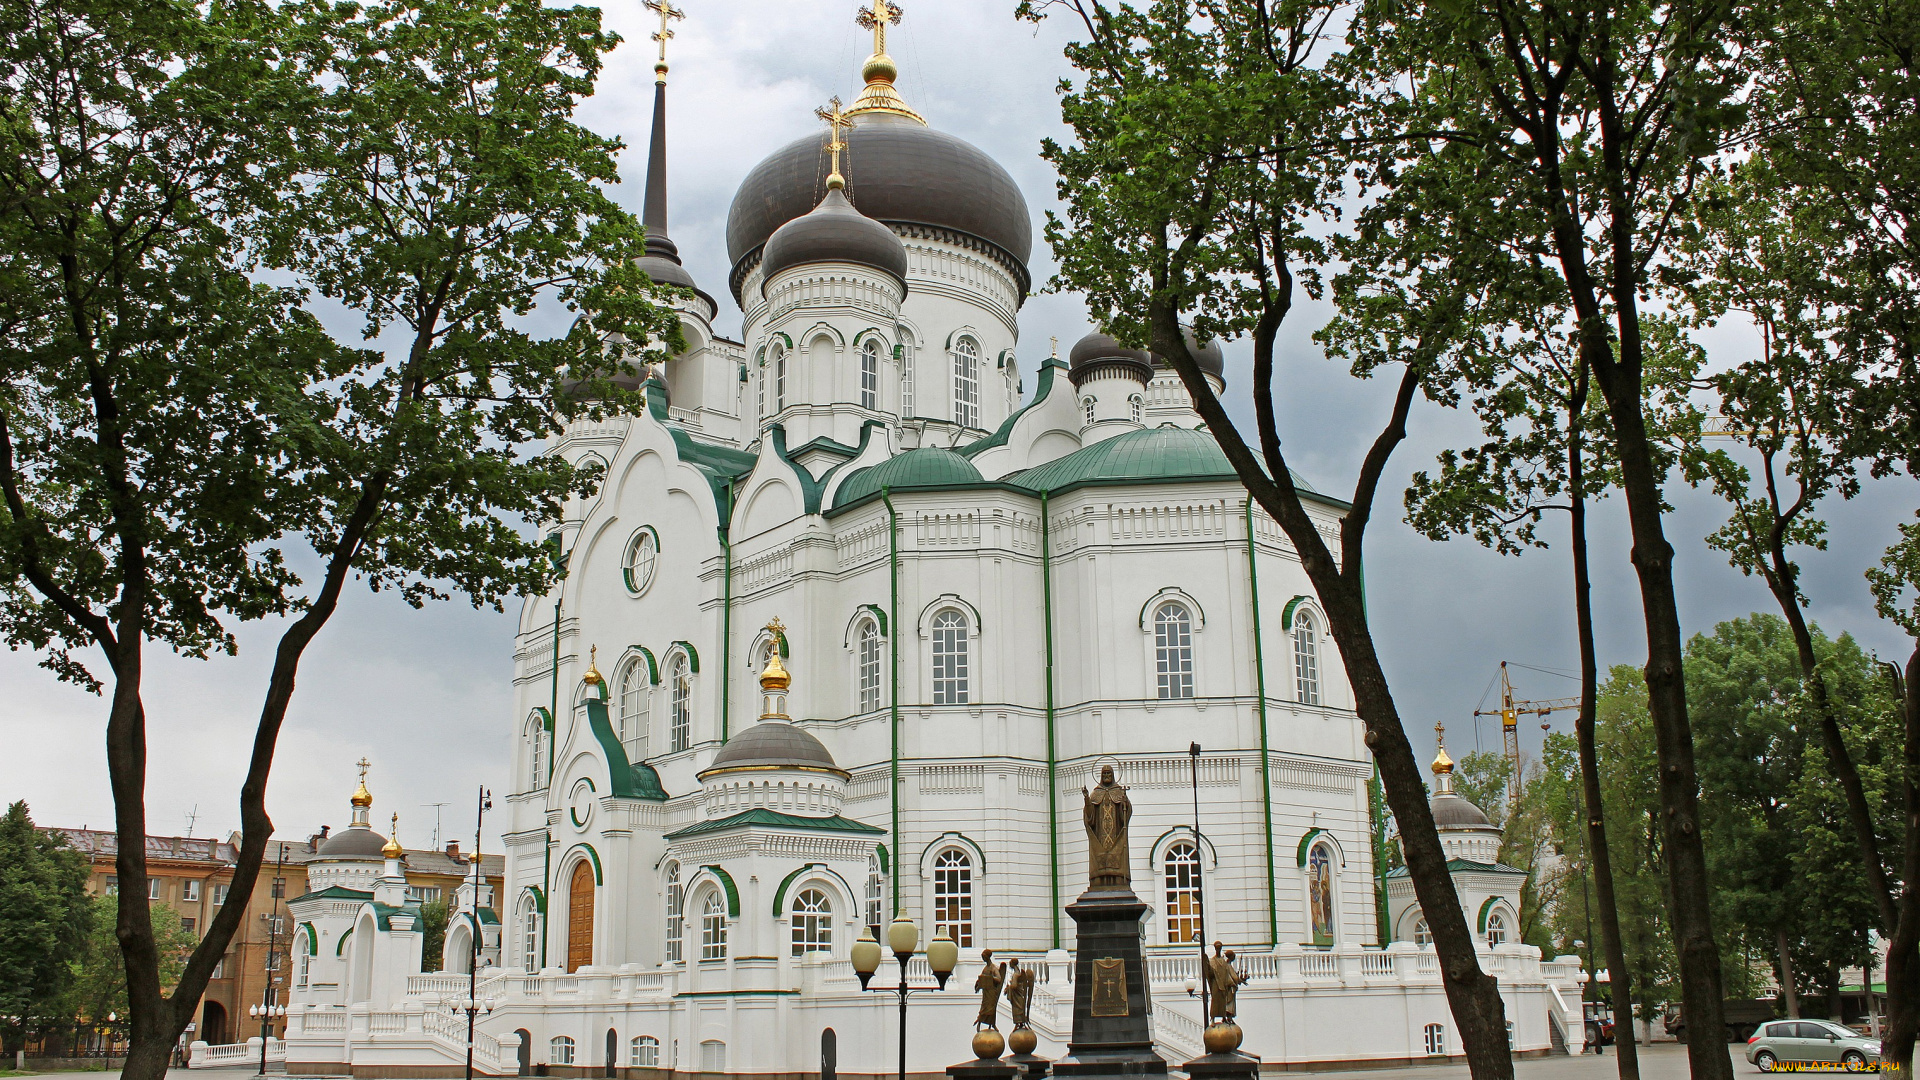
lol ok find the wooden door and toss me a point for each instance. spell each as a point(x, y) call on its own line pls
point(580, 917)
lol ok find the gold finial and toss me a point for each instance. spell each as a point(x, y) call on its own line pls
point(775, 677)
point(361, 796)
point(1056, 347)
point(593, 670)
point(393, 850)
point(879, 71)
point(836, 119)
point(666, 11)
point(1442, 764)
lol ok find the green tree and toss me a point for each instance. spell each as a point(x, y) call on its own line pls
point(433, 934)
point(98, 994)
point(173, 435)
point(45, 918)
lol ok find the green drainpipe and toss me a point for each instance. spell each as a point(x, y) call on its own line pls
point(1266, 757)
point(1053, 782)
point(893, 648)
point(726, 619)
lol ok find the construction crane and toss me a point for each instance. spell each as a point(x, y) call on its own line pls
point(1509, 713)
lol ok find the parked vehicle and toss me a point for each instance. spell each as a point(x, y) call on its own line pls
point(1800, 1041)
point(1743, 1016)
point(1599, 1021)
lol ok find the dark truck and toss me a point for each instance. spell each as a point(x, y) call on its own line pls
point(1743, 1017)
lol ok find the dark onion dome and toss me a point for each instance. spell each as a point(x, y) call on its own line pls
point(1097, 352)
point(927, 466)
point(353, 842)
point(773, 744)
point(898, 171)
point(835, 232)
point(1453, 812)
point(1212, 360)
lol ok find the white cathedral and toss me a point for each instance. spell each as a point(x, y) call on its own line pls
point(843, 634)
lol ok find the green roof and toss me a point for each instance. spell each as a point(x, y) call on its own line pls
point(1142, 456)
point(928, 466)
point(334, 892)
point(1005, 431)
point(760, 816)
point(1466, 864)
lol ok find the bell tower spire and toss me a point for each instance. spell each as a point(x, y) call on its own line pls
point(654, 212)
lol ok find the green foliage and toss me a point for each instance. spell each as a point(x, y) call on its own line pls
point(433, 934)
point(45, 918)
point(1481, 778)
point(99, 988)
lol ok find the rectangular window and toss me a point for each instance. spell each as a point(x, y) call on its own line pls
point(220, 893)
point(869, 668)
point(426, 894)
point(273, 960)
point(153, 889)
point(966, 385)
point(113, 886)
point(950, 658)
point(190, 891)
point(906, 381)
point(870, 375)
point(279, 888)
point(186, 924)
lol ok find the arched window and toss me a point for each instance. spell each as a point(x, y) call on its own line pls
point(870, 374)
point(680, 702)
point(876, 891)
point(906, 377)
point(1136, 409)
point(560, 1050)
point(868, 642)
point(950, 666)
point(1306, 658)
point(953, 896)
point(302, 953)
point(812, 922)
point(966, 382)
point(1422, 933)
point(635, 708)
point(536, 738)
point(529, 934)
point(760, 388)
point(676, 914)
point(1173, 651)
point(778, 360)
point(1496, 927)
point(713, 928)
point(643, 555)
point(1320, 893)
point(1183, 893)
point(1086, 405)
point(1436, 1038)
point(644, 1052)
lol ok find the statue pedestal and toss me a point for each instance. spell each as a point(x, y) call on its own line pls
point(1032, 1066)
point(1227, 1066)
point(983, 1069)
point(1112, 1010)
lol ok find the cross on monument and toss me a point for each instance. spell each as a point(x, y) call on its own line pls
point(875, 18)
point(837, 119)
point(666, 11)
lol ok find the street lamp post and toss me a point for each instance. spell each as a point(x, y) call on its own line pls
point(267, 1010)
point(266, 1014)
point(473, 953)
point(903, 937)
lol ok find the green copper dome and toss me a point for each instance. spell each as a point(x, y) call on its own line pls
point(1164, 453)
point(929, 466)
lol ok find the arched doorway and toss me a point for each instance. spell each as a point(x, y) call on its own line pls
point(613, 1051)
point(580, 917)
point(213, 1024)
point(526, 1051)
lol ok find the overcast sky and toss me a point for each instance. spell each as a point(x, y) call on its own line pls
point(426, 694)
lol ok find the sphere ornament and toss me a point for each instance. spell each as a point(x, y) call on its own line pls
point(1223, 1037)
point(988, 1043)
point(1023, 1040)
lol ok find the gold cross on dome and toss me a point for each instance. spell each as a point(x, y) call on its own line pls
point(666, 11)
point(777, 628)
point(393, 830)
point(1056, 347)
point(364, 766)
point(837, 119)
point(875, 18)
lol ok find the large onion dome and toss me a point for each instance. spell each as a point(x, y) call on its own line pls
point(836, 232)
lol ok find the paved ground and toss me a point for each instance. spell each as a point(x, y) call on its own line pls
point(1661, 1061)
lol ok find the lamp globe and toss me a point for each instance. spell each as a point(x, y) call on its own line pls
point(903, 937)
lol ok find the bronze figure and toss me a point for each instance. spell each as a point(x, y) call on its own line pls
point(992, 977)
point(1019, 992)
point(1108, 810)
point(1223, 984)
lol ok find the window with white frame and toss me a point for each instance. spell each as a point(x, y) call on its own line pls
point(713, 928)
point(870, 374)
point(641, 559)
point(560, 1050)
point(906, 378)
point(1306, 658)
point(529, 934)
point(1136, 409)
point(1496, 927)
point(1173, 651)
point(1182, 864)
point(953, 896)
point(644, 1052)
point(867, 641)
point(676, 914)
point(535, 735)
point(760, 389)
point(966, 382)
point(635, 702)
point(153, 889)
point(812, 922)
point(302, 951)
point(190, 891)
point(1436, 1039)
point(777, 359)
point(1422, 933)
point(713, 1056)
point(1086, 405)
point(950, 667)
point(220, 893)
point(680, 702)
point(876, 896)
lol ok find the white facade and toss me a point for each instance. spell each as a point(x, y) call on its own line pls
point(983, 604)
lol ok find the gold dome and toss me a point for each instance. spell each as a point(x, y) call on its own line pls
point(361, 796)
point(593, 676)
point(393, 850)
point(1442, 763)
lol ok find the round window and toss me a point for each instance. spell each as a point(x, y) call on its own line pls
point(643, 555)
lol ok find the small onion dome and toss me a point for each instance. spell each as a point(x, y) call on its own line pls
point(1442, 763)
point(775, 677)
point(593, 676)
point(393, 850)
point(773, 745)
point(353, 842)
point(361, 796)
point(835, 232)
point(1098, 352)
point(1212, 360)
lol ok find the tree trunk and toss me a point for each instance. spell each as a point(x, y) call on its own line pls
point(1903, 962)
point(1787, 989)
point(1600, 860)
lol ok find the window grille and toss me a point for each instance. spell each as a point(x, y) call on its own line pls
point(812, 922)
point(1183, 894)
point(1306, 658)
point(966, 383)
point(950, 658)
point(1173, 652)
point(869, 657)
point(953, 896)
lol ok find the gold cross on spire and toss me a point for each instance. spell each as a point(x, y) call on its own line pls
point(1056, 347)
point(364, 766)
point(837, 119)
point(777, 628)
point(666, 11)
point(875, 18)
